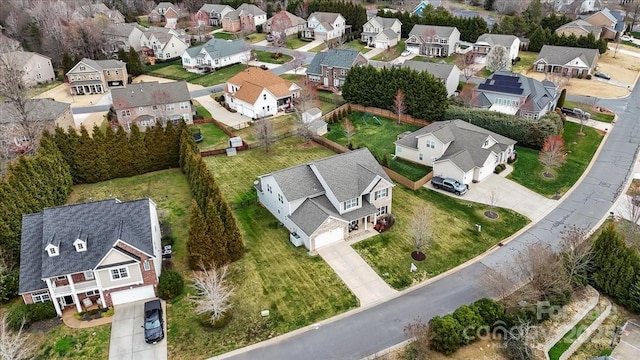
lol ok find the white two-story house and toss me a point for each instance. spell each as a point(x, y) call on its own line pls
point(380, 32)
point(106, 252)
point(434, 41)
point(214, 54)
point(456, 149)
point(324, 26)
point(163, 45)
point(486, 42)
point(258, 93)
point(320, 203)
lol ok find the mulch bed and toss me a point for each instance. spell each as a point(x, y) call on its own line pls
point(418, 256)
point(491, 214)
point(44, 325)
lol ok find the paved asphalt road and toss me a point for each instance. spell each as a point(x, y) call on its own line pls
point(366, 332)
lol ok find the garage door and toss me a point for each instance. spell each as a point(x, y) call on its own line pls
point(329, 237)
point(139, 293)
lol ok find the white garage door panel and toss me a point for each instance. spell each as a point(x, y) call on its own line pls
point(139, 293)
point(329, 237)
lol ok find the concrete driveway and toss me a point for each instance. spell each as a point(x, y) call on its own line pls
point(629, 345)
point(127, 334)
point(359, 277)
point(220, 113)
point(508, 194)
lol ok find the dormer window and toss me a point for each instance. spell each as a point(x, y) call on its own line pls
point(52, 250)
point(351, 203)
point(80, 245)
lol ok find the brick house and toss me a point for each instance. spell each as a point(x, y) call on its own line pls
point(106, 252)
point(245, 19)
point(97, 76)
point(212, 14)
point(328, 69)
point(566, 61)
point(150, 103)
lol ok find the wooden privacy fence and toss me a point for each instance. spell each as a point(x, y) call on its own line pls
point(413, 185)
point(389, 114)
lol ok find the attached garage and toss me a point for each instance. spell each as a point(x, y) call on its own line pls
point(131, 295)
point(329, 237)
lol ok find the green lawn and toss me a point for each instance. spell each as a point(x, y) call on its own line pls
point(526, 62)
point(563, 345)
point(608, 118)
point(265, 56)
point(214, 138)
point(219, 76)
point(255, 37)
point(449, 60)
point(484, 72)
point(143, 21)
point(527, 170)
point(37, 90)
point(357, 45)
point(201, 110)
point(160, 65)
point(455, 237)
point(281, 124)
point(318, 48)
point(293, 77)
point(391, 54)
point(174, 72)
point(378, 138)
point(63, 342)
point(225, 36)
point(411, 171)
point(292, 42)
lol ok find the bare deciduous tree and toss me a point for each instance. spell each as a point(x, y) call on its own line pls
point(576, 251)
point(213, 293)
point(497, 284)
point(420, 230)
point(492, 198)
point(543, 270)
point(633, 213)
point(278, 25)
point(307, 97)
point(298, 61)
point(464, 62)
point(161, 98)
point(420, 332)
point(302, 10)
point(349, 131)
point(14, 345)
point(552, 154)
point(399, 105)
point(498, 58)
point(263, 129)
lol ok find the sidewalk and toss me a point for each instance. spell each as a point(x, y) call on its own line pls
point(602, 126)
point(72, 322)
point(310, 45)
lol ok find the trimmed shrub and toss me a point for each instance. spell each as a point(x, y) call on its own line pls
point(8, 285)
point(30, 313)
point(167, 240)
point(170, 284)
point(588, 76)
point(489, 310)
point(470, 321)
point(446, 334)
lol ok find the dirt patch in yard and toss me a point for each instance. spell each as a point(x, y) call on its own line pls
point(622, 67)
point(481, 350)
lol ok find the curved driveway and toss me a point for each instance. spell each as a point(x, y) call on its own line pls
point(360, 333)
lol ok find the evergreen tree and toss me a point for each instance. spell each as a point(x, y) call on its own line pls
point(138, 150)
point(84, 156)
point(134, 65)
point(67, 62)
point(537, 40)
point(634, 296)
point(215, 233)
point(156, 150)
point(172, 146)
point(123, 157)
point(123, 56)
point(198, 246)
point(561, 99)
point(101, 170)
point(235, 246)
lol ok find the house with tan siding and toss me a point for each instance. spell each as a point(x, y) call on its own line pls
point(97, 76)
point(36, 68)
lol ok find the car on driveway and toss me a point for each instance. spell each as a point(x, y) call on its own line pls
point(602, 75)
point(626, 38)
point(153, 322)
point(269, 38)
point(406, 53)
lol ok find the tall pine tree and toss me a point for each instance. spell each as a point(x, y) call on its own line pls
point(198, 247)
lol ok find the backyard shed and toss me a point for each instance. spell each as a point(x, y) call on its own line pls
point(317, 127)
point(311, 115)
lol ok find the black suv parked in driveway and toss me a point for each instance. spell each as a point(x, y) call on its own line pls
point(153, 323)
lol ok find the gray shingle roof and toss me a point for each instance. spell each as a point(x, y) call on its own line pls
point(251, 9)
point(100, 223)
point(325, 16)
point(120, 30)
point(384, 22)
point(40, 109)
point(20, 57)
point(560, 55)
point(440, 71)
point(216, 8)
point(441, 31)
point(312, 213)
point(497, 39)
point(341, 58)
point(537, 94)
point(585, 26)
point(219, 48)
point(298, 182)
point(150, 93)
point(100, 65)
point(390, 34)
point(466, 141)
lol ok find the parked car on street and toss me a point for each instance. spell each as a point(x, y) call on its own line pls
point(602, 75)
point(153, 322)
point(449, 184)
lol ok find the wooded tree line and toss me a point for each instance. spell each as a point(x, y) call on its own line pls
point(541, 37)
point(114, 154)
point(470, 28)
point(354, 14)
point(526, 132)
point(425, 97)
point(31, 184)
point(214, 236)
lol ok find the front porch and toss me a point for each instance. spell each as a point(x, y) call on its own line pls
point(82, 88)
point(80, 295)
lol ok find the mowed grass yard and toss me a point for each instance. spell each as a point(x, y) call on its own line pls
point(455, 239)
point(527, 170)
point(595, 115)
point(265, 56)
point(63, 342)
point(173, 70)
point(214, 138)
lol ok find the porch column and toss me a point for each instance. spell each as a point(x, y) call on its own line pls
point(54, 299)
point(102, 300)
point(73, 293)
point(366, 223)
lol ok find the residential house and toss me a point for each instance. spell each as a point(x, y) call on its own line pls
point(320, 203)
point(611, 22)
point(486, 42)
point(429, 40)
point(456, 149)
point(566, 61)
point(36, 68)
point(325, 26)
point(214, 54)
point(449, 74)
point(98, 11)
point(245, 18)
point(96, 76)
point(106, 252)
point(579, 28)
point(284, 21)
point(516, 94)
point(422, 5)
point(328, 69)
point(131, 35)
point(167, 13)
point(212, 14)
point(381, 33)
point(41, 114)
point(163, 45)
point(149, 103)
point(258, 93)
point(8, 44)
